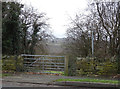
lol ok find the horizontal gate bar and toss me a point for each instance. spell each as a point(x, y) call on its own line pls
point(41, 59)
point(46, 63)
point(50, 72)
point(55, 69)
point(40, 55)
point(51, 63)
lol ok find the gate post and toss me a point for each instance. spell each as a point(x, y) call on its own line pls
point(66, 66)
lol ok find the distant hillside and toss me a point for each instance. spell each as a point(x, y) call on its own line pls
point(53, 46)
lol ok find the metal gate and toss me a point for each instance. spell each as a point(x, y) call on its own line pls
point(44, 63)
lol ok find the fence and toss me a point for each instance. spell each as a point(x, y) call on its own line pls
point(46, 63)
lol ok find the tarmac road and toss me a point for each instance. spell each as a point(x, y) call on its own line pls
point(16, 84)
point(29, 80)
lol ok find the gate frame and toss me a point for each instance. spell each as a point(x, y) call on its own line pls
point(66, 65)
point(66, 59)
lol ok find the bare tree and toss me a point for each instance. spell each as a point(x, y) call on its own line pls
point(35, 28)
point(108, 15)
point(79, 37)
point(103, 21)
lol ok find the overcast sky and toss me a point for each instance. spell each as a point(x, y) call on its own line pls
point(58, 11)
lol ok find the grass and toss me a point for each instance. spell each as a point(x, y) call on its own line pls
point(58, 72)
point(6, 75)
point(89, 80)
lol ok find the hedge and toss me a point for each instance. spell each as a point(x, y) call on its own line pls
point(12, 63)
point(96, 66)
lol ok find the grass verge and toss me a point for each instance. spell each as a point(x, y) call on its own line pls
point(58, 72)
point(89, 80)
point(6, 75)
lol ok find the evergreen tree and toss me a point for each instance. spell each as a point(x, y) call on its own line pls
point(11, 27)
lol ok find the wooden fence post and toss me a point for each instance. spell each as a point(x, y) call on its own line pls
point(66, 65)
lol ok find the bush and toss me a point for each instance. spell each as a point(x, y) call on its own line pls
point(90, 67)
point(12, 63)
point(108, 68)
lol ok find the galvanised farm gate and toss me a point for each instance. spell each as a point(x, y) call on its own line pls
point(45, 63)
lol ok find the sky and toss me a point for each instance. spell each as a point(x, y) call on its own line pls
point(59, 12)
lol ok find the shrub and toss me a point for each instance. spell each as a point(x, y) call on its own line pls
point(90, 67)
point(12, 63)
point(108, 68)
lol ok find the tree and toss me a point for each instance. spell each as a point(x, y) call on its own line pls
point(108, 15)
point(103, 21)
point(23, 28)
point(79, 38)
point(1, 26)
point(34, 27)
point(11, 27)
point(118, 49)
